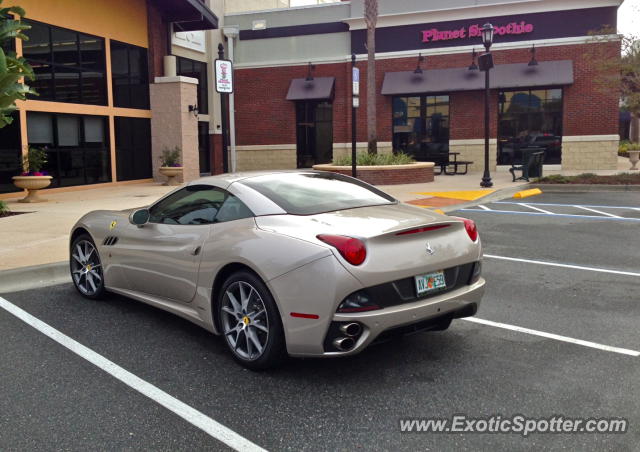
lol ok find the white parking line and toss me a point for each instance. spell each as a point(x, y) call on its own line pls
point(557, 337)
point(556, 264)
point(483, 207)
point(535, 208)
point(555, 215)
point(568, 205)
point(597, 211)
point(189, 414)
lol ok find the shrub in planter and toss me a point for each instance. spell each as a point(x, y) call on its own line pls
point(33, 178)
point(170, 165)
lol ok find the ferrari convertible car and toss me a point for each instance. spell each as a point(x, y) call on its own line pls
point(298, 263)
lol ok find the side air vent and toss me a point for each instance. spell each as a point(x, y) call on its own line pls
point(110, 240)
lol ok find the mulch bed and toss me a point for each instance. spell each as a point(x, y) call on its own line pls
point(10, 214)
point(617, 179)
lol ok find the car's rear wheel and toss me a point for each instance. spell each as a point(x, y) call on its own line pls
point(86, 267)
point(250, 322)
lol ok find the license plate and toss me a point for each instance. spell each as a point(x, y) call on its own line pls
point(430, 282)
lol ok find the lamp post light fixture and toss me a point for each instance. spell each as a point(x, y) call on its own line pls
point(310, 68)
point(486, 63)
point(473, 66)
point(533, 61)
point(419, 66)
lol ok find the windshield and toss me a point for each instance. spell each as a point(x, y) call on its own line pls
point(313, 193)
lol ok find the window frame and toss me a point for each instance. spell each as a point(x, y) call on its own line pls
point(203, 86)
point(78, 67)
point(144, 76)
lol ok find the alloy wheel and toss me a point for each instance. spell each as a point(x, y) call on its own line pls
point(244, 320)
point(86, 268)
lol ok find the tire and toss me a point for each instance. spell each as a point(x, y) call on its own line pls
point(250, 322)
point(86, 267)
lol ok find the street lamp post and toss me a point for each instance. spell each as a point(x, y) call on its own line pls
point(486, 63)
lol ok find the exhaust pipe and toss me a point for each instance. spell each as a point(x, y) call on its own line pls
point(351, 329)
point(344, 343)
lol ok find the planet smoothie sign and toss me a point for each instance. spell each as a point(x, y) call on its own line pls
point(513, 28)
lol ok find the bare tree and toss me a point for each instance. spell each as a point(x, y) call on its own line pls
point(371, 19)
point(619, 74)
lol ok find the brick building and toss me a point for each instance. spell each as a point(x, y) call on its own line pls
point(288, 114)
point(115, 79)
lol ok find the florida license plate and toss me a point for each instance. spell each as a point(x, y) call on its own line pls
point(430, 282)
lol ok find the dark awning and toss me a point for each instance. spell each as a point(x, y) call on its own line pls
point(503, 76)
point(188, 15)
point(317, 88)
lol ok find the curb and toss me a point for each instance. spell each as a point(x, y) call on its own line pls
point(23, 278)
point(577, 188)
point(495, 196)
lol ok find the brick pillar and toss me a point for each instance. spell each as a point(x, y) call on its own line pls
point(173, 125)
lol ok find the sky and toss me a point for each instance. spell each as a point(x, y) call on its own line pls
point(629, 18)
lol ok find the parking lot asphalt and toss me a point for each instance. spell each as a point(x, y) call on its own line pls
point(54, 399)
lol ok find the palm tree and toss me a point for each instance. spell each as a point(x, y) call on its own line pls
point(371, 18)
point(12, 69)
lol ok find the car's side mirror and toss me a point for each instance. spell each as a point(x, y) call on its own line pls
point(139, 217)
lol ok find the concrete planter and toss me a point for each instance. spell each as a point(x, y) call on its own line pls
point(32, 184)
point(634, 156)
point(412, 173)
point(171, 172)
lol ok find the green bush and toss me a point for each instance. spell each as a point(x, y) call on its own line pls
point(35, 159)
point(3, 208)
point(13, 69)
point(626, 146)
point(170, 157)
point(366, 159)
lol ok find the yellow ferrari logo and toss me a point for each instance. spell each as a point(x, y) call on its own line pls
point(113, 224)
point(246, 320)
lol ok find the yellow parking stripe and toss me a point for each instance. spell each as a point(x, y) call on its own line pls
point(467, 195)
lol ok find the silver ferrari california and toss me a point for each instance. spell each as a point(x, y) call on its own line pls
point(298, 263)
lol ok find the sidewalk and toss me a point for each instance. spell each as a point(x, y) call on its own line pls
point(41, 236)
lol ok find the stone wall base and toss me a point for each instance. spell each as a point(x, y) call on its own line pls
point(255, 158)
point(590, 152)
point(342, 149)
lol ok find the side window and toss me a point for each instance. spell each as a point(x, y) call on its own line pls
point(194, 204)
point(233, 209)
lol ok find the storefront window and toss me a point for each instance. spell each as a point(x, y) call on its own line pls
point(197, 70)
point(69, 66)
point(530, 120)
point(421, 125)
point(130, 74)
point(133, 148)
point(77, 147)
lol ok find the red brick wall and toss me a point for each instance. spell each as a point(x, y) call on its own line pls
point(264, 116)
point(392, 177)
point(216, 153)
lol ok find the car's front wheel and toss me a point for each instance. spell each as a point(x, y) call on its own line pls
point(250, 322)
point(86, 267)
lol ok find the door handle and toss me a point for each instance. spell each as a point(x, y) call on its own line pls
point(196, 251)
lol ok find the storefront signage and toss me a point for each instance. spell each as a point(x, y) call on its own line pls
point(224, 76)
point(193, 40)
point(513, 28)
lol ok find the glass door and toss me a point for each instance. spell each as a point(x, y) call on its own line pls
point(314, 133)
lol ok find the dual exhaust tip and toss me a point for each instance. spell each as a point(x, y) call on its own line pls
point(352, 331)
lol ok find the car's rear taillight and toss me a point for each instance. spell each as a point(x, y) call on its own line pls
point(352, 249)
point(470, 227)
